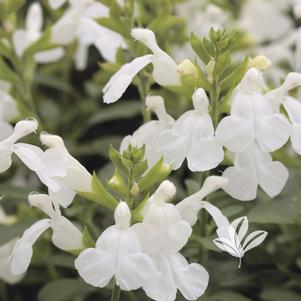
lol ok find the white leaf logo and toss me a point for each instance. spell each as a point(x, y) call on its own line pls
point(237, 243)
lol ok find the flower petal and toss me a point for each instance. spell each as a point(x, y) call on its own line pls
point(22, 252)
point(49, 56)
point(5, 271)
point(55, 4)
point(272, 131)
point(95, 267)
point(191, 279)
point(119, 82)
point(243, 180)
point(65, 235)
point(273, 177)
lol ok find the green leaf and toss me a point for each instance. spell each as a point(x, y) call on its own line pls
point(101, 195)
point(198, 47)
point(115, 157)
point(283, 209)
point(159, 172)
point(10, 232)
point(12, 6)
point(13, 192)
point(278, 294)
point(43, 43)
point(62, 260)
point(122, 110)
point(235, 76)
point(88, 241)
point(164, 23)
point(6, 73)
point(139, 169)
point(64, 290)
point(5, 50)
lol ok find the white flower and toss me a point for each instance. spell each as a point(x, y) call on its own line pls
point(175, 273)
point(22, 129)
point(163, 233)
point(253, 168)
point(8, 110)
point(65, 235)
point(235, 242)
point(293, 109)
point(5, 251)
point(164, 67)
point(77, 177)
point(56, 168)
point(190, 206)
point(148, 132)
point(257, 18)
point(252, 119)
point(117, 254)
point(192, 137)
point(23, 38)
point(278, 95)
point(5, 271)
point(77, 23)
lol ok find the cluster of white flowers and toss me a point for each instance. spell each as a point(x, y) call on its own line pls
point(77, 23)
point(255, 127)
point(145, 254)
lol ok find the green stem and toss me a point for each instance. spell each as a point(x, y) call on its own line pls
point(115, 293)
point(143, 89)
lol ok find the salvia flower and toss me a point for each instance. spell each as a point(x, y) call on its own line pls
point(8, 110)
point(5, 251)
point(253, 168)
point(65, 235)
point(163, 233)
point(252, 119)
point(23, 38)
point(117, 254)
point(164, 67)
point(78, 23)
point(192, 137)
point(22, 129)
point(148, 132)
point(56, 168)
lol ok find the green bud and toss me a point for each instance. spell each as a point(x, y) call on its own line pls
point(118, 183)
point(135, 189)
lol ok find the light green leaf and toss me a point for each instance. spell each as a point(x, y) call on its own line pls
point(122, 110)
point(278, 294)
point(64, 290)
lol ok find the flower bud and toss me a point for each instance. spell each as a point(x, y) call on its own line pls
point(135, 189)
point(117, 183)
point(25, 127)
point(200, 100)
point(187, 68)
point(51, 140)
point(165, 192)
point(260, 62)
point(122, 215)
